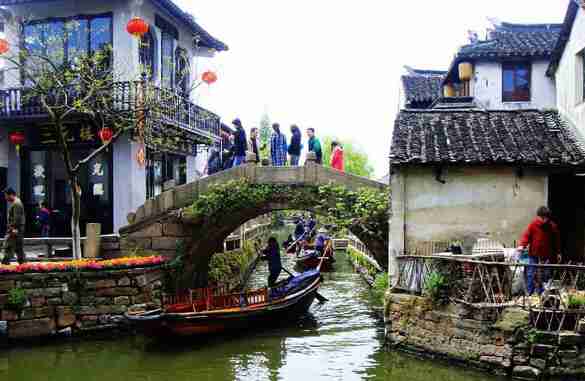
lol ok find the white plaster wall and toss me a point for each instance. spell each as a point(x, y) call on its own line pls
point(487, 87)
point(474, 202)
point(569, 76)
point(129, 181)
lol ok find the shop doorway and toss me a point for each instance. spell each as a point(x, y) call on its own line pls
point(566, 199)
point(45, 179)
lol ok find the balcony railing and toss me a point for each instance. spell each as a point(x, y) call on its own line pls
point(168, 107)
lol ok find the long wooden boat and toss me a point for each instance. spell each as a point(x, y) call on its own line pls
point(308, 258)
point(216, 310)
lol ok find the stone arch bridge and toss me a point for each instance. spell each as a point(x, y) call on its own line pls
point(171, 217)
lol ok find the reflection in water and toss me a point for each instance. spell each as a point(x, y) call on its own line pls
point(339, 340)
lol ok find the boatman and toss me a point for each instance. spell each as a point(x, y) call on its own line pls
point(272, 254)
point(321, 241)
point(14, 240)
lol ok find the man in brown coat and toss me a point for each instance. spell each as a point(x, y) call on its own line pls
point(14, 240)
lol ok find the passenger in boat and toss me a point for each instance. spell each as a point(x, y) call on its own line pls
point(272, 254)
point(289, 241)
point(311, 223)
point(321, 241)
point(542, 238)
point(299, 229)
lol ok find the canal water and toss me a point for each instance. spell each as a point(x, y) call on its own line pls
point(340, 340)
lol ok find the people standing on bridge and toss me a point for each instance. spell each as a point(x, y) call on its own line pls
point(278, 147)
point(240, 143)
point(14, 240)
point(315, 145)
point(337, 156)
point(543, 240)
point(254, 143)
point(295, 147)
point(272, 254)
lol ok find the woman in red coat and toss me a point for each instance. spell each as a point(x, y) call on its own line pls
point(337, 156)
point(543, 240)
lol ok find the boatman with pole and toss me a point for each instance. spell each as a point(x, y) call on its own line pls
point(272, 254)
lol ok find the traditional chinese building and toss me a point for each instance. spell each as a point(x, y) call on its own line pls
point(115, 182)
point(482, 158)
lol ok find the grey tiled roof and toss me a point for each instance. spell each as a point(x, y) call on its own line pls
point(206, 39)
point(529, 41)
point(422, 86)
point(529, 137)
point(515, 40)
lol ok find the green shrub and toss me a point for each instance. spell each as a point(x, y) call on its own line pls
point(381, 283)
point(576, 302)
point(16, 299)
point(436, 288)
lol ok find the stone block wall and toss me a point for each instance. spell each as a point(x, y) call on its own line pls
point(73, 302)
point(500, 343)
point(159, 237)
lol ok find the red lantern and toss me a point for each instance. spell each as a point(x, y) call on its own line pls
point(105, 134)
point(4, 46)
point(137, 27)
point(17, 138)
point(209, 77)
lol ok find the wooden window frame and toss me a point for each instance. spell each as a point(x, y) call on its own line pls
point(507, 66)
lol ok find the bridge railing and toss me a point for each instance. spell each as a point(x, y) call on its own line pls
point(496, 285)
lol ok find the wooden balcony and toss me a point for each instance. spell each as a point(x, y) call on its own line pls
point(169, 108)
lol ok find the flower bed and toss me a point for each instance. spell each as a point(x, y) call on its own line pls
point(83, 265)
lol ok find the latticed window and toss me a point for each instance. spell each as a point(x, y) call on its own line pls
point(167, 59)
point(182, 70)
point(147, 54)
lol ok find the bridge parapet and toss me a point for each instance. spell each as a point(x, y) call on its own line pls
point(185, 195)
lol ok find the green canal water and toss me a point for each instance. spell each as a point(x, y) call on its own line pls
point(340, 340)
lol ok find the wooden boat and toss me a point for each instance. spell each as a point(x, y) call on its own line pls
point(308, 258)
point(216, 310)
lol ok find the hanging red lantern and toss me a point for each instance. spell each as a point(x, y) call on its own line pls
point(17, 138)
point(209, 77)
point(137, 27)
point(4, 46)
point(106, 134)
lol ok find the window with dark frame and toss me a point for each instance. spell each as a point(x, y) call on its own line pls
point(516, 82)
point(182, 73)
point(64, 39)
point(147, 54)
point(162, 167)
point(167, 59)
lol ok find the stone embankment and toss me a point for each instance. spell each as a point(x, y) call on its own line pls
point(36, 305)
point(500, 343)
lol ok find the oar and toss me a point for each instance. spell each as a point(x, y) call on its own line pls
point(319, 297)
